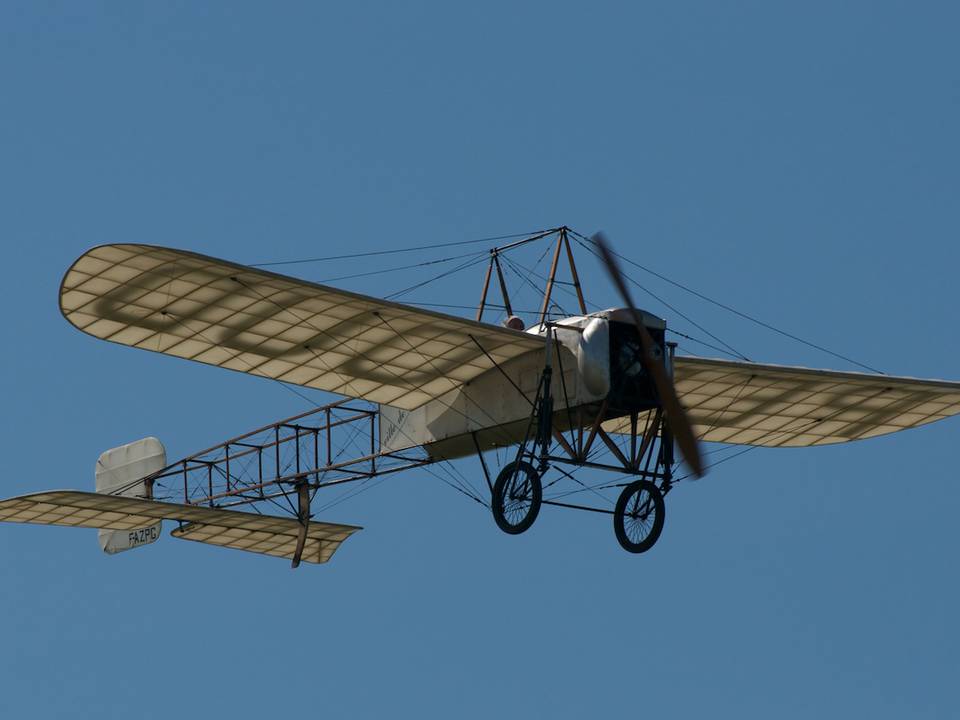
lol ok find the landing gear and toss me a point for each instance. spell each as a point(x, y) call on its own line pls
point(638, 516)
point(517, 496)
point(647, 454)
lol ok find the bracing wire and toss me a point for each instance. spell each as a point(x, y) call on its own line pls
point(398, 268)
point(736, 312)
point(525, 274)
point(374, 253)
point(730, 349)
point(461, 484)
point(411, 288)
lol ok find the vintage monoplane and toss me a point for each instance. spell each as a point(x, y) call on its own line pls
point(437, 388)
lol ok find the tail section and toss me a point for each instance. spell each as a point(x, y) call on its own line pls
point(120, 471)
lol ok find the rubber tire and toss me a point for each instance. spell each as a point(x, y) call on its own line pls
point(536, 498)
point(619, 514)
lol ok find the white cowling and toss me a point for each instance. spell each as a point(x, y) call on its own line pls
point(593, 359)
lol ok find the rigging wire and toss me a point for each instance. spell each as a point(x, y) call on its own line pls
point(705, 344)
point(736, 312)
point(565, 288)
point(454, 384)
point(314, 403)
point(525, 280)
point(347, 381)
point(351, 440)
point(516, 268)
point(462, 266)
point(403, 267)
point(399, 250)
point(510, 263)
point(730, 348)
point(525, 274)
point(460, 484)
point(467, 307)
point(532, 272)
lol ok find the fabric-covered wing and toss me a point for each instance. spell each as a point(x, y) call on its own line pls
point(776, 406)
point(220, 313)
point(264, 534)
point(323, 539)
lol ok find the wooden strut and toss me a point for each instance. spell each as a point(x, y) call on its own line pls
point(573, 271)
point(563, 242)
point(486, 286)
point(579, 431)
point(558, 436)
point(585, 449)
point(483, 463)
point(652, 429)
point(303, 515)
point(503, 284)
point(612, 446)
point(550, 279)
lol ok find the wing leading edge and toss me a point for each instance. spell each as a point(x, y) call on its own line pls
point(219, 313)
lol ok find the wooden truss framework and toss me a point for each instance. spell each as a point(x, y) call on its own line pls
point(562, 243)
point(283, 462)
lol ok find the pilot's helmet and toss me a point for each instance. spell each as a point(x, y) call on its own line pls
point(514, 323)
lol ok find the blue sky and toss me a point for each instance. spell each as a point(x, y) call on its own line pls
point(798, 162)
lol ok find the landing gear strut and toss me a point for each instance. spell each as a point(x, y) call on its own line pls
point(518, 493)
point(639, 512)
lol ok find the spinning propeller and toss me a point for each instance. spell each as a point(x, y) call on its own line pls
point(676, 416)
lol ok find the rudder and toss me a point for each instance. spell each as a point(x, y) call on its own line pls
point(120, 472)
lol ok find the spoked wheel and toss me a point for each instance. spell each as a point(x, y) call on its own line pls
point(517, 495)
point(638, 517)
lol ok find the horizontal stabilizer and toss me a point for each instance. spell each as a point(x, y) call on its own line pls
point(278, 540)
point(264, 534)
